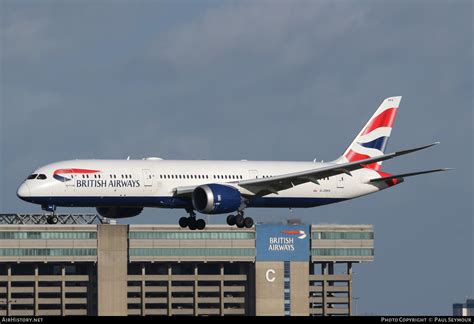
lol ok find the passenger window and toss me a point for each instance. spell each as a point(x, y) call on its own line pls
point(31, 177)
point(41, 177)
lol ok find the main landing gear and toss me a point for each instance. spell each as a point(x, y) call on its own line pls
point(192, 222)
point(240, 220)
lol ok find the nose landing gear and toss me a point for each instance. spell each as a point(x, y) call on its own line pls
point(192, 222)
point(50, 219)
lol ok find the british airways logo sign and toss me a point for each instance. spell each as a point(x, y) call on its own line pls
point(299, 234)
point(70, 175)
point(282, 243)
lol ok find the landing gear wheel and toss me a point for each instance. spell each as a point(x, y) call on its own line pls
point(231, 220)
point(192, 223)
point(239, 221)
point(183, 222)
point(52, 220)
point(248, 222)
point(200, 224)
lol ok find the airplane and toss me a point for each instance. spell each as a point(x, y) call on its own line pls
point(123, 188)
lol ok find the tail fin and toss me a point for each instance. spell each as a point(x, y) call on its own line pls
point(372, 139)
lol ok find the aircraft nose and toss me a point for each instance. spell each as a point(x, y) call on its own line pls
point(23, 191)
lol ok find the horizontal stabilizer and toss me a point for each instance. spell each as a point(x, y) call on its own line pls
point(396, 176)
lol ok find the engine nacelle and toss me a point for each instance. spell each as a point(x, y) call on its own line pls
point(119, 212)
point(216, 199)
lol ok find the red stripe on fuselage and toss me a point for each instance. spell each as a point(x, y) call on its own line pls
point(354, 156)
point(390, 182)
point(385, 119)
point(80, 171)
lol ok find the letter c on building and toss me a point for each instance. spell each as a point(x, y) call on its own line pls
point(268, 277)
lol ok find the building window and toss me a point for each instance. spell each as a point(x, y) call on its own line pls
point(342, 252)
point(192, 235)
point(47, 252)
point(343, 235)
point(48, 235)
point(287, 287)
point(192, 252)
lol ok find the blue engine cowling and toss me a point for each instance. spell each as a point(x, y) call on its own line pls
point(216, 199)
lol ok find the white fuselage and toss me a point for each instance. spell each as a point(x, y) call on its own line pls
point(152, 183)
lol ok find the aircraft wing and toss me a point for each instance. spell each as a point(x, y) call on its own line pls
point(265, 186)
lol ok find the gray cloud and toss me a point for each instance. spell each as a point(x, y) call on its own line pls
point(26, 39)
point(278, 31)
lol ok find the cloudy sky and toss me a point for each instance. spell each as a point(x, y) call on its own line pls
point(260, 80)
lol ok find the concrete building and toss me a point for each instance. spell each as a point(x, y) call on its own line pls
point(167, 270)
point(466, 309)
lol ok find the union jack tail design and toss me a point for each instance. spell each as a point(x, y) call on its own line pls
point(372, 139)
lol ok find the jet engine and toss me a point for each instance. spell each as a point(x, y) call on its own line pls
point(216, 199)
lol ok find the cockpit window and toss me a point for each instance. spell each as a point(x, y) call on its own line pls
point(41, 177)
point(31, 177)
